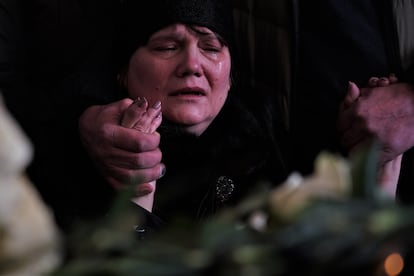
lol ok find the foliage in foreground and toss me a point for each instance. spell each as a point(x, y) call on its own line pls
point(335, 222)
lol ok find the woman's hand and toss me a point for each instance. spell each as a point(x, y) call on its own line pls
point(144, 119)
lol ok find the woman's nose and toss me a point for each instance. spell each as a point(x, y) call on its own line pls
point(190, 63)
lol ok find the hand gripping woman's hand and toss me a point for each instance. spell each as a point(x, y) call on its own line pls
point(384, 111)
point(144, 119)
point(390, 162)
point(123, 155)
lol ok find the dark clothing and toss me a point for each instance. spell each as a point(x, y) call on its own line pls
point(231, 160)
point(52, 58)
point(11, 19)
point(138, 20)
point(12, 54)
point(337, 42)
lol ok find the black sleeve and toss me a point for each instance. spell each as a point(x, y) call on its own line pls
point(12, 55)
point(10, 39)
point(409, 74)
point(148, 223)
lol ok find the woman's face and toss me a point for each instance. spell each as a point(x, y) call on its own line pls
point(187, 69)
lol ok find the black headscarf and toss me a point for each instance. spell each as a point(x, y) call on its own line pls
point(138, 20)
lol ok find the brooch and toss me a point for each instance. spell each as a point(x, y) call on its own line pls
point(224, 188)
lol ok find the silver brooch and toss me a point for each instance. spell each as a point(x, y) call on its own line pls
point(224, 188)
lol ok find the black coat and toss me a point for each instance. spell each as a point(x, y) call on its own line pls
point(338, 41)
point(232, 159)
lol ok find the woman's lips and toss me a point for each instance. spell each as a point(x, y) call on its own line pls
point(189, 92)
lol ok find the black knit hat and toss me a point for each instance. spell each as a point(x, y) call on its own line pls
point(139, 19)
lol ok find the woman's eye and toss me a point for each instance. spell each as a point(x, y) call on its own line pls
point(166, 48)
point(212, 49)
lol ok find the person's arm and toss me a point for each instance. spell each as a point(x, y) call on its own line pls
point(385, 113)
point(147, 119)
point(388, 173)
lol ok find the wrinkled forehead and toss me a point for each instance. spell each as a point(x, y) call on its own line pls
point(180, 30)
point(138, 20)
point(146, 17)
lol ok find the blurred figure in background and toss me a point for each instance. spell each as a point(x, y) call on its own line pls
point(342, 41)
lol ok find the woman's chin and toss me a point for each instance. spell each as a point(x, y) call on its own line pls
point(196, 130)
